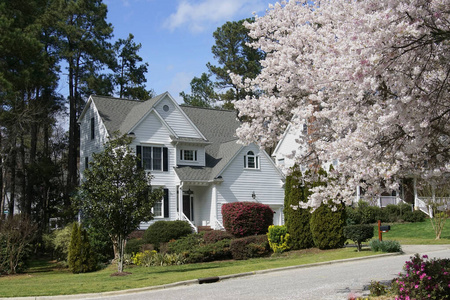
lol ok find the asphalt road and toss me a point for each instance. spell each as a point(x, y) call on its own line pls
point(327, 281)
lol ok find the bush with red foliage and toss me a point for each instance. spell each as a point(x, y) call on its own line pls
point(214, 236)
point(246, 218)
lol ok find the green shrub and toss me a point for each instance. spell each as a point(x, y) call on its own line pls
point(186, 243)
point(248, 247)
point(414, 216)
point(327, 226)
point(246, 218)
point(353, 216)
point(385, 246)
point(392, 213)
point(369, 214)
point(134, 246)
point(377, 289)
point(209, 252)
point(58, 242)
point(153, 258)
point(81, 258)
point(297, 220)
point(194, 248)
point(164, 231)
point(359, 233)
point(214, 236)
point(278, 238)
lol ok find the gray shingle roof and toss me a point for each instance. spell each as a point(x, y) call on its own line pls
point(218, 126)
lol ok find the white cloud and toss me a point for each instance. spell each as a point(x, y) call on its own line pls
point(197, 16)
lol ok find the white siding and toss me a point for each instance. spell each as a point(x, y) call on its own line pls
point(200, 156)
point(152, 132)
point(176, 119)
point(239, 183)
point(88, 145)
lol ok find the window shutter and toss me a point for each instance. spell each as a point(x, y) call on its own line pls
point(165, 159)
point(245, 161)
point(139, 156)
point(257, 162)
point(166, 203)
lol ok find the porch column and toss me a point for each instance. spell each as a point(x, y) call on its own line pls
point(416, 204)
point(180, 201)
point(213, 211)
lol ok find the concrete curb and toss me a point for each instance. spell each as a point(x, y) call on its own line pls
point(195, 281)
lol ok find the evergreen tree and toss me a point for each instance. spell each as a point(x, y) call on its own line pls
point(297, 219)
point(81, 258)
point(129, 74)
point(202, 92)
point(234, 55)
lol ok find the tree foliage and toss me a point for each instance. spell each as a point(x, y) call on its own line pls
point(202, 92)
point(371, 80)
point(129, 74)
point(116, 195)
point(81, 258)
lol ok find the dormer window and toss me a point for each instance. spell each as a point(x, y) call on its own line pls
point(251, 161)
point(188, 155)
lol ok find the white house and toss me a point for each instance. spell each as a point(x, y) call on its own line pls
point(191, 152)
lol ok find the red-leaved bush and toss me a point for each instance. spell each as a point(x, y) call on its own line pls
point(246, 218)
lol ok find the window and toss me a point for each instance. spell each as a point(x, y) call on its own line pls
point(92, 128)
point(153, 158)
point(251, 161)
point(161, 207)
point(189, 155)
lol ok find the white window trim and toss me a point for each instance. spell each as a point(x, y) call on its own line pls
point(256, 161)
point(194, 154)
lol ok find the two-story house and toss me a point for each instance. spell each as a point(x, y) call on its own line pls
point(192, 153)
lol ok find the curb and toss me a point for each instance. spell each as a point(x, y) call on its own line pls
point(197, 281)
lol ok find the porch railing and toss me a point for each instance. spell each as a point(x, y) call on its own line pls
point(423, 203)
point(218, 224)
point(184, 218)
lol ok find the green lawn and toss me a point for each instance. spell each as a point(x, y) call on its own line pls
point(420, 233)
point(45, 280)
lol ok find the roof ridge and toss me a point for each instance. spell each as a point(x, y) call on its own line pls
point(125, 99)
point(208, 108)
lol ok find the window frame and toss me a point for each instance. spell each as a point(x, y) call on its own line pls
point(254, 158)
point(183, 155)
point(164, 206)
point(149, 158)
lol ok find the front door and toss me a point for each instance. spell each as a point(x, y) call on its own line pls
point(187, 207)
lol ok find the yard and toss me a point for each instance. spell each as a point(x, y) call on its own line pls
point(45, 278)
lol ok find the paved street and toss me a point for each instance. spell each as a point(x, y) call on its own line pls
point(330, 281)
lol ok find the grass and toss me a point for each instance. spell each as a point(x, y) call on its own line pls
point(45, 279)
point(420, 233)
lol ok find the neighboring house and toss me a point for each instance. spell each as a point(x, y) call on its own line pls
point(284, 157)
point(191, 152)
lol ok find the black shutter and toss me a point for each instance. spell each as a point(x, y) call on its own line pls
point(139, 156)
point(166, 203)
point(245, 161)
point(165, 160)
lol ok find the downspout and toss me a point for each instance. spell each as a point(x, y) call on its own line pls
point(213, 216)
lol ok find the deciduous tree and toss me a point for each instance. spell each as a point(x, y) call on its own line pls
point(371, 78)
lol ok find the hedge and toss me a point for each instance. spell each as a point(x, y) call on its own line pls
point(246, 218)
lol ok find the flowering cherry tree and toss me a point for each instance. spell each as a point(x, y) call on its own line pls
point(371, 79)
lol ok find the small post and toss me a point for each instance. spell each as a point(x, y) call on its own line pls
point(380, 235)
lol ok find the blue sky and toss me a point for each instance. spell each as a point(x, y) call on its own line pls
point(176, 35)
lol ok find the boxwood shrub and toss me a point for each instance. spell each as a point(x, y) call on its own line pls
point(164, 231)
point(246, 218)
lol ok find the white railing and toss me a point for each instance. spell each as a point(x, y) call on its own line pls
point(423, 203)
point(218, 224)
point(184, 218)
point(382, 201)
